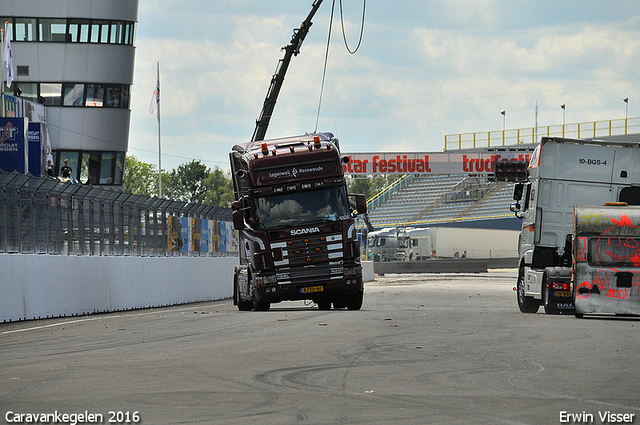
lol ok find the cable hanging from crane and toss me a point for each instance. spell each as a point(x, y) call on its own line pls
point(344, 36)
point(344, 33)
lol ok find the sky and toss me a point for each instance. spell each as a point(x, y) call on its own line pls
point(424, 69)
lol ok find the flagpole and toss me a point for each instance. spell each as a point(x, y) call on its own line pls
point(159, 140)
point(4, 27)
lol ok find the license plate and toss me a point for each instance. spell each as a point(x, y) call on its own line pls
point(311, 289)
point(563, 294)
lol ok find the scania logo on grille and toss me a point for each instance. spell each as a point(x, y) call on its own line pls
point(305, 231)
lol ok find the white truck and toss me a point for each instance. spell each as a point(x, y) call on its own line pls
point(563, 173)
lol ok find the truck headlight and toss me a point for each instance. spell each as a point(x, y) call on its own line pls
point(351, 271)
point(266, 280)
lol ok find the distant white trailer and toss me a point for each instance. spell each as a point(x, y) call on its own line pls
point(421, 243)
point(474, 243)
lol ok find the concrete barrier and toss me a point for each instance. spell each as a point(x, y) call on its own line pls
point(40, 286)
point(467, 265)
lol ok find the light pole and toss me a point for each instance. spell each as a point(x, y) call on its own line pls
point(504, 119)
point(563, 106)
point(626, 113)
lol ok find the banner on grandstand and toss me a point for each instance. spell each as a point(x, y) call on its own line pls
point(427, 162)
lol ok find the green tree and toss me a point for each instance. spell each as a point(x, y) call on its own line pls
point(140, 177)
point(187, 182)
point(219, 188)
point(369, 185)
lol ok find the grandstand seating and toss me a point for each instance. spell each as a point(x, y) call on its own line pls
point(442, 199)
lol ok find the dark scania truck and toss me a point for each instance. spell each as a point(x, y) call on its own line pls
point(297, 238)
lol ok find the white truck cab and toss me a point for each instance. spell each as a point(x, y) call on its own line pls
point(563, 173)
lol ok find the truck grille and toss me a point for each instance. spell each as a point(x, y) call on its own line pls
point(304, 259)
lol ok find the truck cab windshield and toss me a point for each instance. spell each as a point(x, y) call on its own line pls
point(299, 208)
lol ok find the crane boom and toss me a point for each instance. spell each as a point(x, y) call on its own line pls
point(293, 49)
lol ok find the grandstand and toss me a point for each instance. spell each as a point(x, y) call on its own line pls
point(473, 201)
point(439, 199)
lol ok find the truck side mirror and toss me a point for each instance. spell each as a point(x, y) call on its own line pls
point(235, 206)
point(361, 204)
point(518, 189)
point(238, 220)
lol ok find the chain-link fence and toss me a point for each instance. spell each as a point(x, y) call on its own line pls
point(50, 216)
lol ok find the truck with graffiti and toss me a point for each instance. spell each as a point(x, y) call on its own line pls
point(561, 174)
point(297, 237)
point(606, 267)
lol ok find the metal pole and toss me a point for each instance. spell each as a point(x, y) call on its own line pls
point(2, 70)
point(159, 140)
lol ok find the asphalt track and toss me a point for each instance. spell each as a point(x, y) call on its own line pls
point(424, 349)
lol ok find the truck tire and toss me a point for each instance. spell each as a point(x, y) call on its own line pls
point(525, 303)
point(354, 301)
point(549, 307)
point(324, 304)
point(242, 305)
point(261, 305)
point(339, 303)
point(257, 305)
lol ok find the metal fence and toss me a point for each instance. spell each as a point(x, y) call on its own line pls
point(50, 216)
point(591, 129)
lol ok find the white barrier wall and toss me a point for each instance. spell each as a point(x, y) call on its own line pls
point(37, 286)
point(367, 271)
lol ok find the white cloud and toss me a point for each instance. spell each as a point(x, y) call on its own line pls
point(424, 70)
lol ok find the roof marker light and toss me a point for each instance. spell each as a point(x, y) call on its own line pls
point(316, 142)
point(265, 149)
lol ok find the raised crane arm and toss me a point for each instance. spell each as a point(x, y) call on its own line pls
point(278, 77)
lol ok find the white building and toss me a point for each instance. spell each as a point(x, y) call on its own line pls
point(77, 57)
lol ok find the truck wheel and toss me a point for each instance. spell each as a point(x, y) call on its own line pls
point(526, 304)
point(354, 301)
point(549, 306)
point(242, 305)
point(339, 303)
point(257, 305)
point(261, 305)
point(324, 304)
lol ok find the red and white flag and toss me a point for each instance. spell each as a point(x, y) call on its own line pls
point(154, 108)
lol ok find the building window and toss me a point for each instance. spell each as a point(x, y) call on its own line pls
point(90, 171)
point(113, 98)
point(73, 158)
point(51, 93)
point(92, 167)
point(106, 167)
point(52, 30)
point(78, 30)
point(118, 179)
point(27, 91)
point(72, 30)
point(25, 29)
point(95, 95)
point(73, 94)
